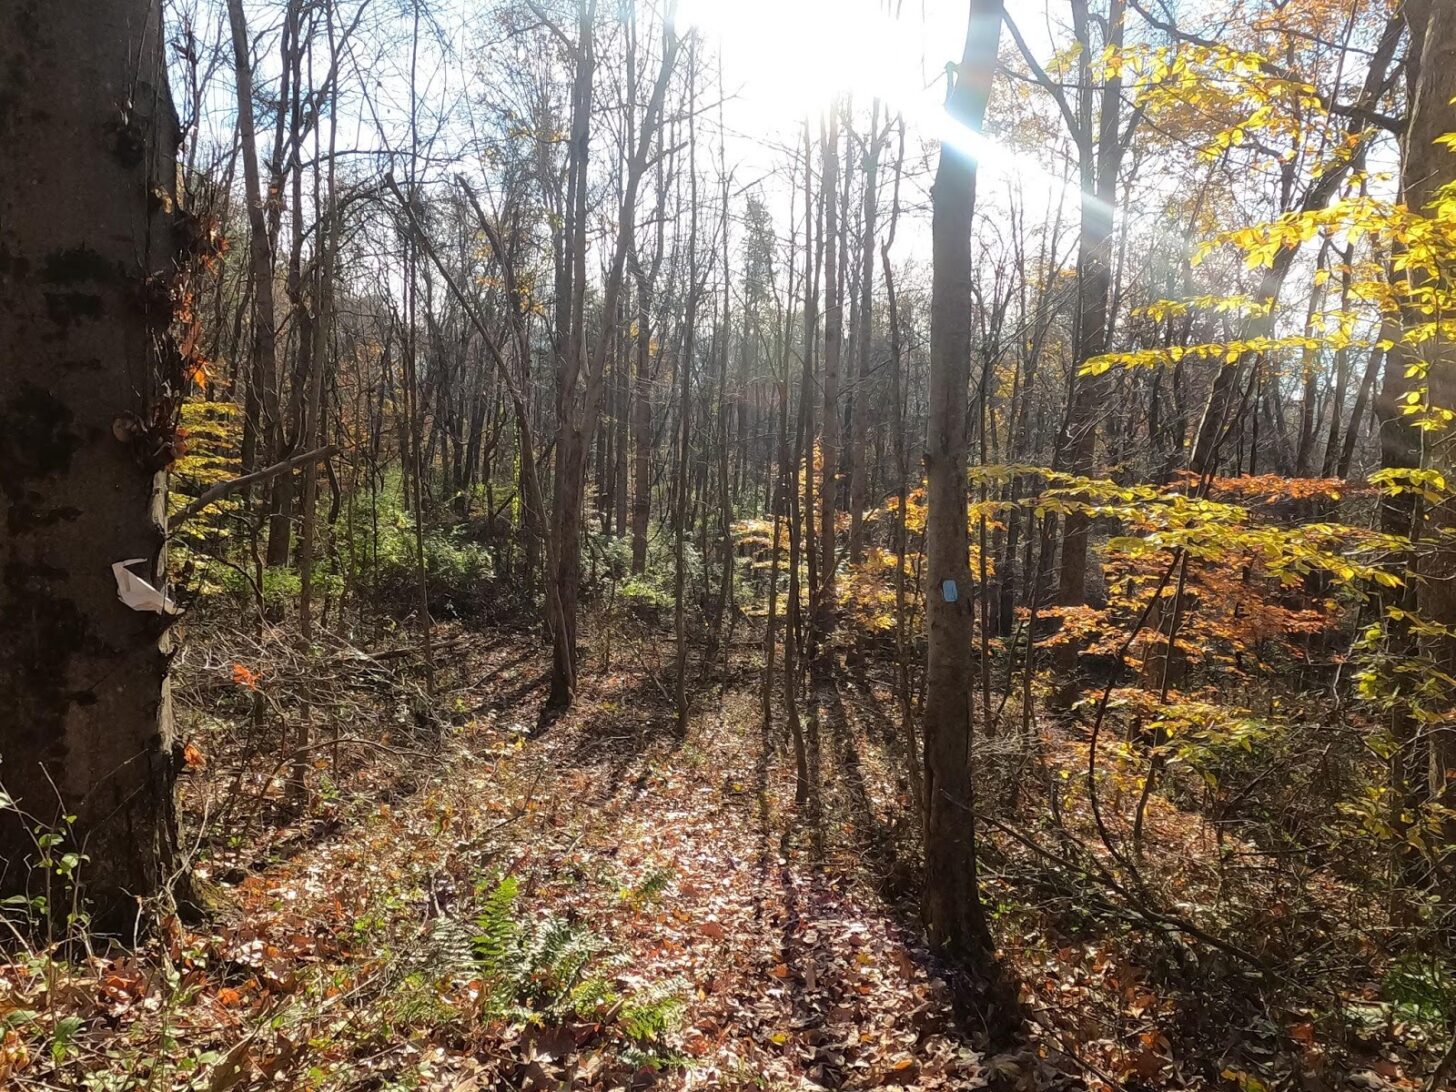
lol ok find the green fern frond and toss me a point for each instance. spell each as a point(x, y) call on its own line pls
point(496, 943)
point(653, 1012)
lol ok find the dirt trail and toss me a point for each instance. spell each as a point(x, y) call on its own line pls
point(799, 971)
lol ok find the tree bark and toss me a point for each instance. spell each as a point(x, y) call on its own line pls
point(825, 608)
point(954, 918)
point(1094, 285)
point(859, 422)
point(263, 419)
point(1429, 168)
point(577, 422)
point(642, 429)
point(87, 413)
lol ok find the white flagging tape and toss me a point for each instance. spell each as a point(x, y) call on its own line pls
point(137, 593)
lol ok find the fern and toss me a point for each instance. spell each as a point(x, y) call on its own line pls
point(593, 994)
point(649, 890)
point(452, 946)
point(651, 1013)
point(497, 933)
point(557, 957)
point(558, 970)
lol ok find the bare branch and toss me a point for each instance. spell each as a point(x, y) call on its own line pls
point(223, 489)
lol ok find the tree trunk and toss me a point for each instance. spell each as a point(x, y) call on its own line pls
point(1094, 288)
point(642, 429)
point(577, 422)
point(327, 233)
point(833, 340)
point(859, 423)
point(263, 419)
point(1342, 374)
point(313, 431)
point(1430, 167)
point(954, 918)
point(1224, 392)
point(1309, 395)
point(621, 426)
point(87, 413)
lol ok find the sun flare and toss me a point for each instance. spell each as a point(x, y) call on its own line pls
point(784, 59)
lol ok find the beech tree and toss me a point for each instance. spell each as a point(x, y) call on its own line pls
point(90, 386)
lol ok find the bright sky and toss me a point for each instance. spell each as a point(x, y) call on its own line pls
point(788, 57)
point(784, 60)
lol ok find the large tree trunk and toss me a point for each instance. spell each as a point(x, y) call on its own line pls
point(622, 429)
point(313, 429)
point(577, 422)
point(1429, 168)
point(571, 439)
point(813, 266)
point(87, 184)
point(954, 918)
point(283, 500)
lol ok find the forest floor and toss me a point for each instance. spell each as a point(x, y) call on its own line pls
point(341, 945)
point(327, 961)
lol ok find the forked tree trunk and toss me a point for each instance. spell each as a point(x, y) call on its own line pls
point(87, 186)
point(577, 422)
point(1228, 380)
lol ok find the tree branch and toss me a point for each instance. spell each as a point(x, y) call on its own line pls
point(1361, 110)
point(1074, 126)
point(223, 489)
